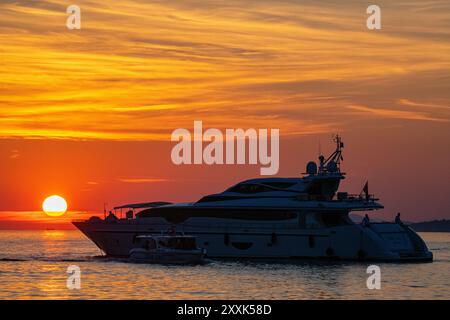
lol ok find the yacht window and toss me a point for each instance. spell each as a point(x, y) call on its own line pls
point(280, 184)
point(179, 215)
point(250, 188)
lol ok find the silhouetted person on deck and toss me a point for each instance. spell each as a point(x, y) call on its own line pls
point(111, 217)
point(398, 220)
point(366, 221)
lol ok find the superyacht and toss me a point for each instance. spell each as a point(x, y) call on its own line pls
point(269, 218)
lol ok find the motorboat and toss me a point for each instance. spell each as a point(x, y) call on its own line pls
point(166, 249)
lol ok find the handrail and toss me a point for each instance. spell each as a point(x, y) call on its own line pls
point(359, 197)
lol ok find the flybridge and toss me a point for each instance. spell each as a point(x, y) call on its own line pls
point(216, 153)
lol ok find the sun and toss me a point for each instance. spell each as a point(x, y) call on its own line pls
point(54, 206)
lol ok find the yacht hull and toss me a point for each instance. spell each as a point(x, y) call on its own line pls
point(270, 218)
point(378, 242)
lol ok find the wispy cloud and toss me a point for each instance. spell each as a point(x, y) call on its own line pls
point(142, 180)
point(139, 69)
point(396, 114)
point(410, 103)
point(14, 154)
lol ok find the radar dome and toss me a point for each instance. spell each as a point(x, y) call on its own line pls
point(331, 166)
point(311, 168)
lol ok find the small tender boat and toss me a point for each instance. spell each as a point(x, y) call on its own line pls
point(166, 249)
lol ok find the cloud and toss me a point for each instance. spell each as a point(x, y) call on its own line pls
point(396, 114)
point(142, 180)
point(410, 103)
point(14, 154)
point(138, 69)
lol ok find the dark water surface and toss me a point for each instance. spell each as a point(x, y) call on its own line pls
point(33, 265)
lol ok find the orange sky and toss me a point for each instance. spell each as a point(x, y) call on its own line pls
point(88, 113)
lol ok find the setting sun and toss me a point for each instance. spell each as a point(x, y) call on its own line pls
point(54, 206)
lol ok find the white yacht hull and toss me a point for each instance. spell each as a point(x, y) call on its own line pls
point(264, 240)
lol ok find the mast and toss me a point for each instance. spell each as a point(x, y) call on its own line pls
point(332, 163)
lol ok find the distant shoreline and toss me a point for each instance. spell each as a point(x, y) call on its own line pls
point(432, 226)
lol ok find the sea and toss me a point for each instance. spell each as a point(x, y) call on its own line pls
point(35, 265)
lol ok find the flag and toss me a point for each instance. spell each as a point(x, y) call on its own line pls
point(366, 190)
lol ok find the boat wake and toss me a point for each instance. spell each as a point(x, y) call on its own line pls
point(48, 259)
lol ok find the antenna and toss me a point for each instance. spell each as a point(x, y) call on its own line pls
point(334, 160)
point(104, 209)
point(320, 149)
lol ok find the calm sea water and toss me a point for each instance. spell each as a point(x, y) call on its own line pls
point(33, 265)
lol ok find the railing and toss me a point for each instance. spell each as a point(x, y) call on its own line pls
point(220, 225)
point(340, 196)
point(356, 197)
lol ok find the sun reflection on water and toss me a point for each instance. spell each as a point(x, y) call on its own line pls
point(33, 265)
